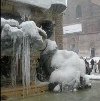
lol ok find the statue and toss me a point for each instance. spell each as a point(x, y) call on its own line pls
point(62, 68)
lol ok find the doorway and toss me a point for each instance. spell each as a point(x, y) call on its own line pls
point(92, 52)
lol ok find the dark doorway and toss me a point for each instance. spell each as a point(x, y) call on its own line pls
point(92, 52)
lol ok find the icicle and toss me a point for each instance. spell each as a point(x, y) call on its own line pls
point(23, 65)
point(18, 56)
point(26, 63)
point(13, 66)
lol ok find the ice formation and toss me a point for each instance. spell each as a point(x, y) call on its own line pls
point(11, 22)
point(19, 41)
point(68, 67)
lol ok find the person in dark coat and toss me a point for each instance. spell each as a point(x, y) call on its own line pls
point(92, 63)
point(99, 66)
point(88, 71)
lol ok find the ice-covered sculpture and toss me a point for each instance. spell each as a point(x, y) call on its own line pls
point(13, 34)
point(63, 67)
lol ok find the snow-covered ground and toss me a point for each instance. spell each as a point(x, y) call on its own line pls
point(95, 59)
point(94, 76)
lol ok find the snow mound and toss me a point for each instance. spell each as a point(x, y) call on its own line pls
point(68, 67)
point(11, 31)
point(93, 77)
point(30, 28)
point(11, 22)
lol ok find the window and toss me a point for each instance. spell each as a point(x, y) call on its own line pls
point(78, 11)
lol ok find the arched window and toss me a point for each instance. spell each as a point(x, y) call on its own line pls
point(78, 11)
point(92, 49)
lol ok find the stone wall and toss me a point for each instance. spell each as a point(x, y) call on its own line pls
point(90, 21)
point(71, 42)
point(83, 43)
point(87, 42)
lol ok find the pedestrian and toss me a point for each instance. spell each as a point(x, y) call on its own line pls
point(99, 66)
point(95, 66)
point(92, 63)
point(88, 70)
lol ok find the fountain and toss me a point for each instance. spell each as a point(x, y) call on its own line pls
point(19, 41)
point(60, 67)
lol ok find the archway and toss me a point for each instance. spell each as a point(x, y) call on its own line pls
point(92, 52)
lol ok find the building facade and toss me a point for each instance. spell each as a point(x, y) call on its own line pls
point(86, 13)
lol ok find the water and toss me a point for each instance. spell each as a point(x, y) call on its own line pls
point(92, 94)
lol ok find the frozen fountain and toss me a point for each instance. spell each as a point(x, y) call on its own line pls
point(19, 41)
point(60, 67)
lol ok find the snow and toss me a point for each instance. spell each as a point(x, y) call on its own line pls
point(64, 58)
point(65, 76)
point(42, 3)
point(57, 88)
point(93, 77)
point(68, 66)
point(95, 59)
point(51, 45)
point(72, 28)
point(42, 32)
point(11, 22)
point(30, 29)
point(25, 29)
point(11, 31)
